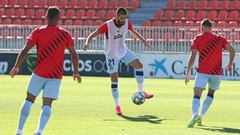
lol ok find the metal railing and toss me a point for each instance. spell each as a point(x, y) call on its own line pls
point(162, 39)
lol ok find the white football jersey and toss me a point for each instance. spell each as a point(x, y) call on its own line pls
point(115, 46)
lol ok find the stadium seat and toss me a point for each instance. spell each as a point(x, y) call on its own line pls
point(92, 4)
point(78, 22)
point(37, 22)
point(63, 4)
point(168, 15)
point(233, 15)
point(191, 4)
point(167, 23)
point(102, 4)
point(30, 13)
point(189, 15)
point(41, 4)
point(82, 4)
point(3, 3)
point(221, 24)
point(40, 13)
point(179, 15)
point(222, 15)
point(22, 3)
point(31, 3)
point(88, 23)
point(234, 4)
point(9, 12)
point(223, 4)
point(156, 23)
point(200, 15)
point(113, 4)
point(19, 13)
point(212, 5)
point(170, 4)
point(17, 21)
point(11, 3)
point(68, 22)
point(201, 4)
point(157, 15)
point(133, 4)
point(70, 13)
point(27, 22)
point(90, 14)
point(6, 21)
point(189, 24)
point(1, 12)
point(100, 14)
point(212, 15)
point(146, 23)
point(123, 3)
point(97, 22)
point(110, 14)
point(80, 13)
point(52, 3)
point(177, 24)
point(180, 5)
point(232, 24)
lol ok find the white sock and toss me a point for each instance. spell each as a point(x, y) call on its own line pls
point(206, 104)
point(115, 94)
point(195, 105)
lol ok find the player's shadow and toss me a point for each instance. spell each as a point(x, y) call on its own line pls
point(145, 118)
point(220, 129)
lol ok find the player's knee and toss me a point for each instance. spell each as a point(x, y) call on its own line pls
point(30, 97)
point(139, 65)
point(196, 97)
point(47, 101)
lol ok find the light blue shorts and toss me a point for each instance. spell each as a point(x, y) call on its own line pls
point(49, 86)
point(213, 81)
point(112, 63)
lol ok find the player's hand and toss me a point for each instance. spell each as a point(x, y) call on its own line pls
point(85, 47)
point(187, 78)
point(229, 67)
point(14, 71)
point(77, 77)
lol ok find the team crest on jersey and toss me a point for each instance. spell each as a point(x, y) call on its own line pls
point(118, 36)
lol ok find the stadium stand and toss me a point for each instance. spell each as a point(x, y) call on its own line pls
point(91, 11)
point(222, 12)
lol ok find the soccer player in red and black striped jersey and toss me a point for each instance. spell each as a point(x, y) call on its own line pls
point(210, 48)
point(51, 42)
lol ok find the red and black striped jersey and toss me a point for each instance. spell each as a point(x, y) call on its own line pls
point(210, 48)
point(51, 42)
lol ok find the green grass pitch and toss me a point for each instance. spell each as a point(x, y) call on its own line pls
point(88, 109)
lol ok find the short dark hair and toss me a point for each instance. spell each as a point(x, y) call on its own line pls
point(207, 23)
point(121, 11)
point(52, 12)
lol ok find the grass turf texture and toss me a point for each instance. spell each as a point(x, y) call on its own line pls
point(88, 108)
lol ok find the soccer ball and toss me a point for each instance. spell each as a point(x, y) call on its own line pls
point(138, 98)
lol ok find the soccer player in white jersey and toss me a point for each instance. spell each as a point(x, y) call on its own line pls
point(115, 31)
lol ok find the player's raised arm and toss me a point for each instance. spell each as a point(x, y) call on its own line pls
point(190, 65)
point(21, 57)
point(137, 35)
point(231, 56)
point(89, 39)
point(74, 59)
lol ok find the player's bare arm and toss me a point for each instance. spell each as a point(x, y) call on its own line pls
point(89, 39)
point(231, 56)
point(190, 65)
point(19, 60)
point(137, 35)
point(74, 58)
